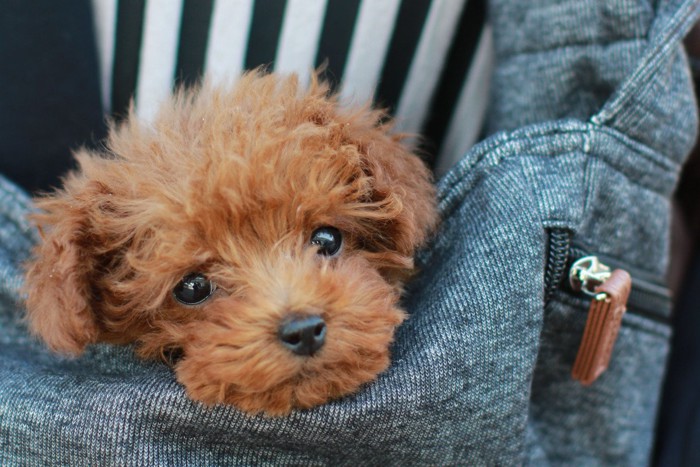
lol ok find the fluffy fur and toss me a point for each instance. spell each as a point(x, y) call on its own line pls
point(230, 182)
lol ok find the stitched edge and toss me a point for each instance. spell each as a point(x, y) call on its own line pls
point(530, 136)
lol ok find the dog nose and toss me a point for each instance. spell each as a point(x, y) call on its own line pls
point(303, 335)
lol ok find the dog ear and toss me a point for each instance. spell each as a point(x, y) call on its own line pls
point(399, 173)
point(400, 203)
point(58, 286)
point(402, 188)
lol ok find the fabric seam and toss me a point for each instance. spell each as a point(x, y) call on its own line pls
point(585, 147)
point(532, 52)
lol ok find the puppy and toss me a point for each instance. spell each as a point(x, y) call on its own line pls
point(261, 230)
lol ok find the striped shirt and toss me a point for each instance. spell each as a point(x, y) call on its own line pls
point(427, 61)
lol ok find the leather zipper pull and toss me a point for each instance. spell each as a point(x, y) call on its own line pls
point(610, 292)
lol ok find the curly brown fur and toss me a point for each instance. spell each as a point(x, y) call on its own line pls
point(230, 183)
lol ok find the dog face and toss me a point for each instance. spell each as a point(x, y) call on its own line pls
point(262, 231)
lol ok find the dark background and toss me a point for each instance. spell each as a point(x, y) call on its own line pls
point(49, 88)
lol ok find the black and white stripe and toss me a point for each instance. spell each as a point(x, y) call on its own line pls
point(194, 32)
point(299, 36)
point(428, 61)
point(264, 33)
point(228, 37)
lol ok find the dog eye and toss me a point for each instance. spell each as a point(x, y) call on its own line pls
point(193, 289)
point(328, 240)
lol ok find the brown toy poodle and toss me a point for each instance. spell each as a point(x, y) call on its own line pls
point(261, 230)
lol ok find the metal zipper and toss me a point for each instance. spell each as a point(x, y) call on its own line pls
point(612, 288)
point(647, 299)
point(587, 273)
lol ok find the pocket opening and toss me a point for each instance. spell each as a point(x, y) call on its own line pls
point(647, 299)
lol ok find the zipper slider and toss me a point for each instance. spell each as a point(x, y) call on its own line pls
point(610, 292)
point(588, 273)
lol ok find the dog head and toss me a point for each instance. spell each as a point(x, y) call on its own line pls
point(262, 230)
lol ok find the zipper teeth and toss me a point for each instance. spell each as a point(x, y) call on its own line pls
point(649, 304)
point(559, 244)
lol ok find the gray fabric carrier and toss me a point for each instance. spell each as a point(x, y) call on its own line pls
point(592, 115)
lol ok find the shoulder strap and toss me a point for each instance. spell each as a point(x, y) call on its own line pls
point(646, 82)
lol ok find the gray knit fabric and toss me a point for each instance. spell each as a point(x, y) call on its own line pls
point(592, 116)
